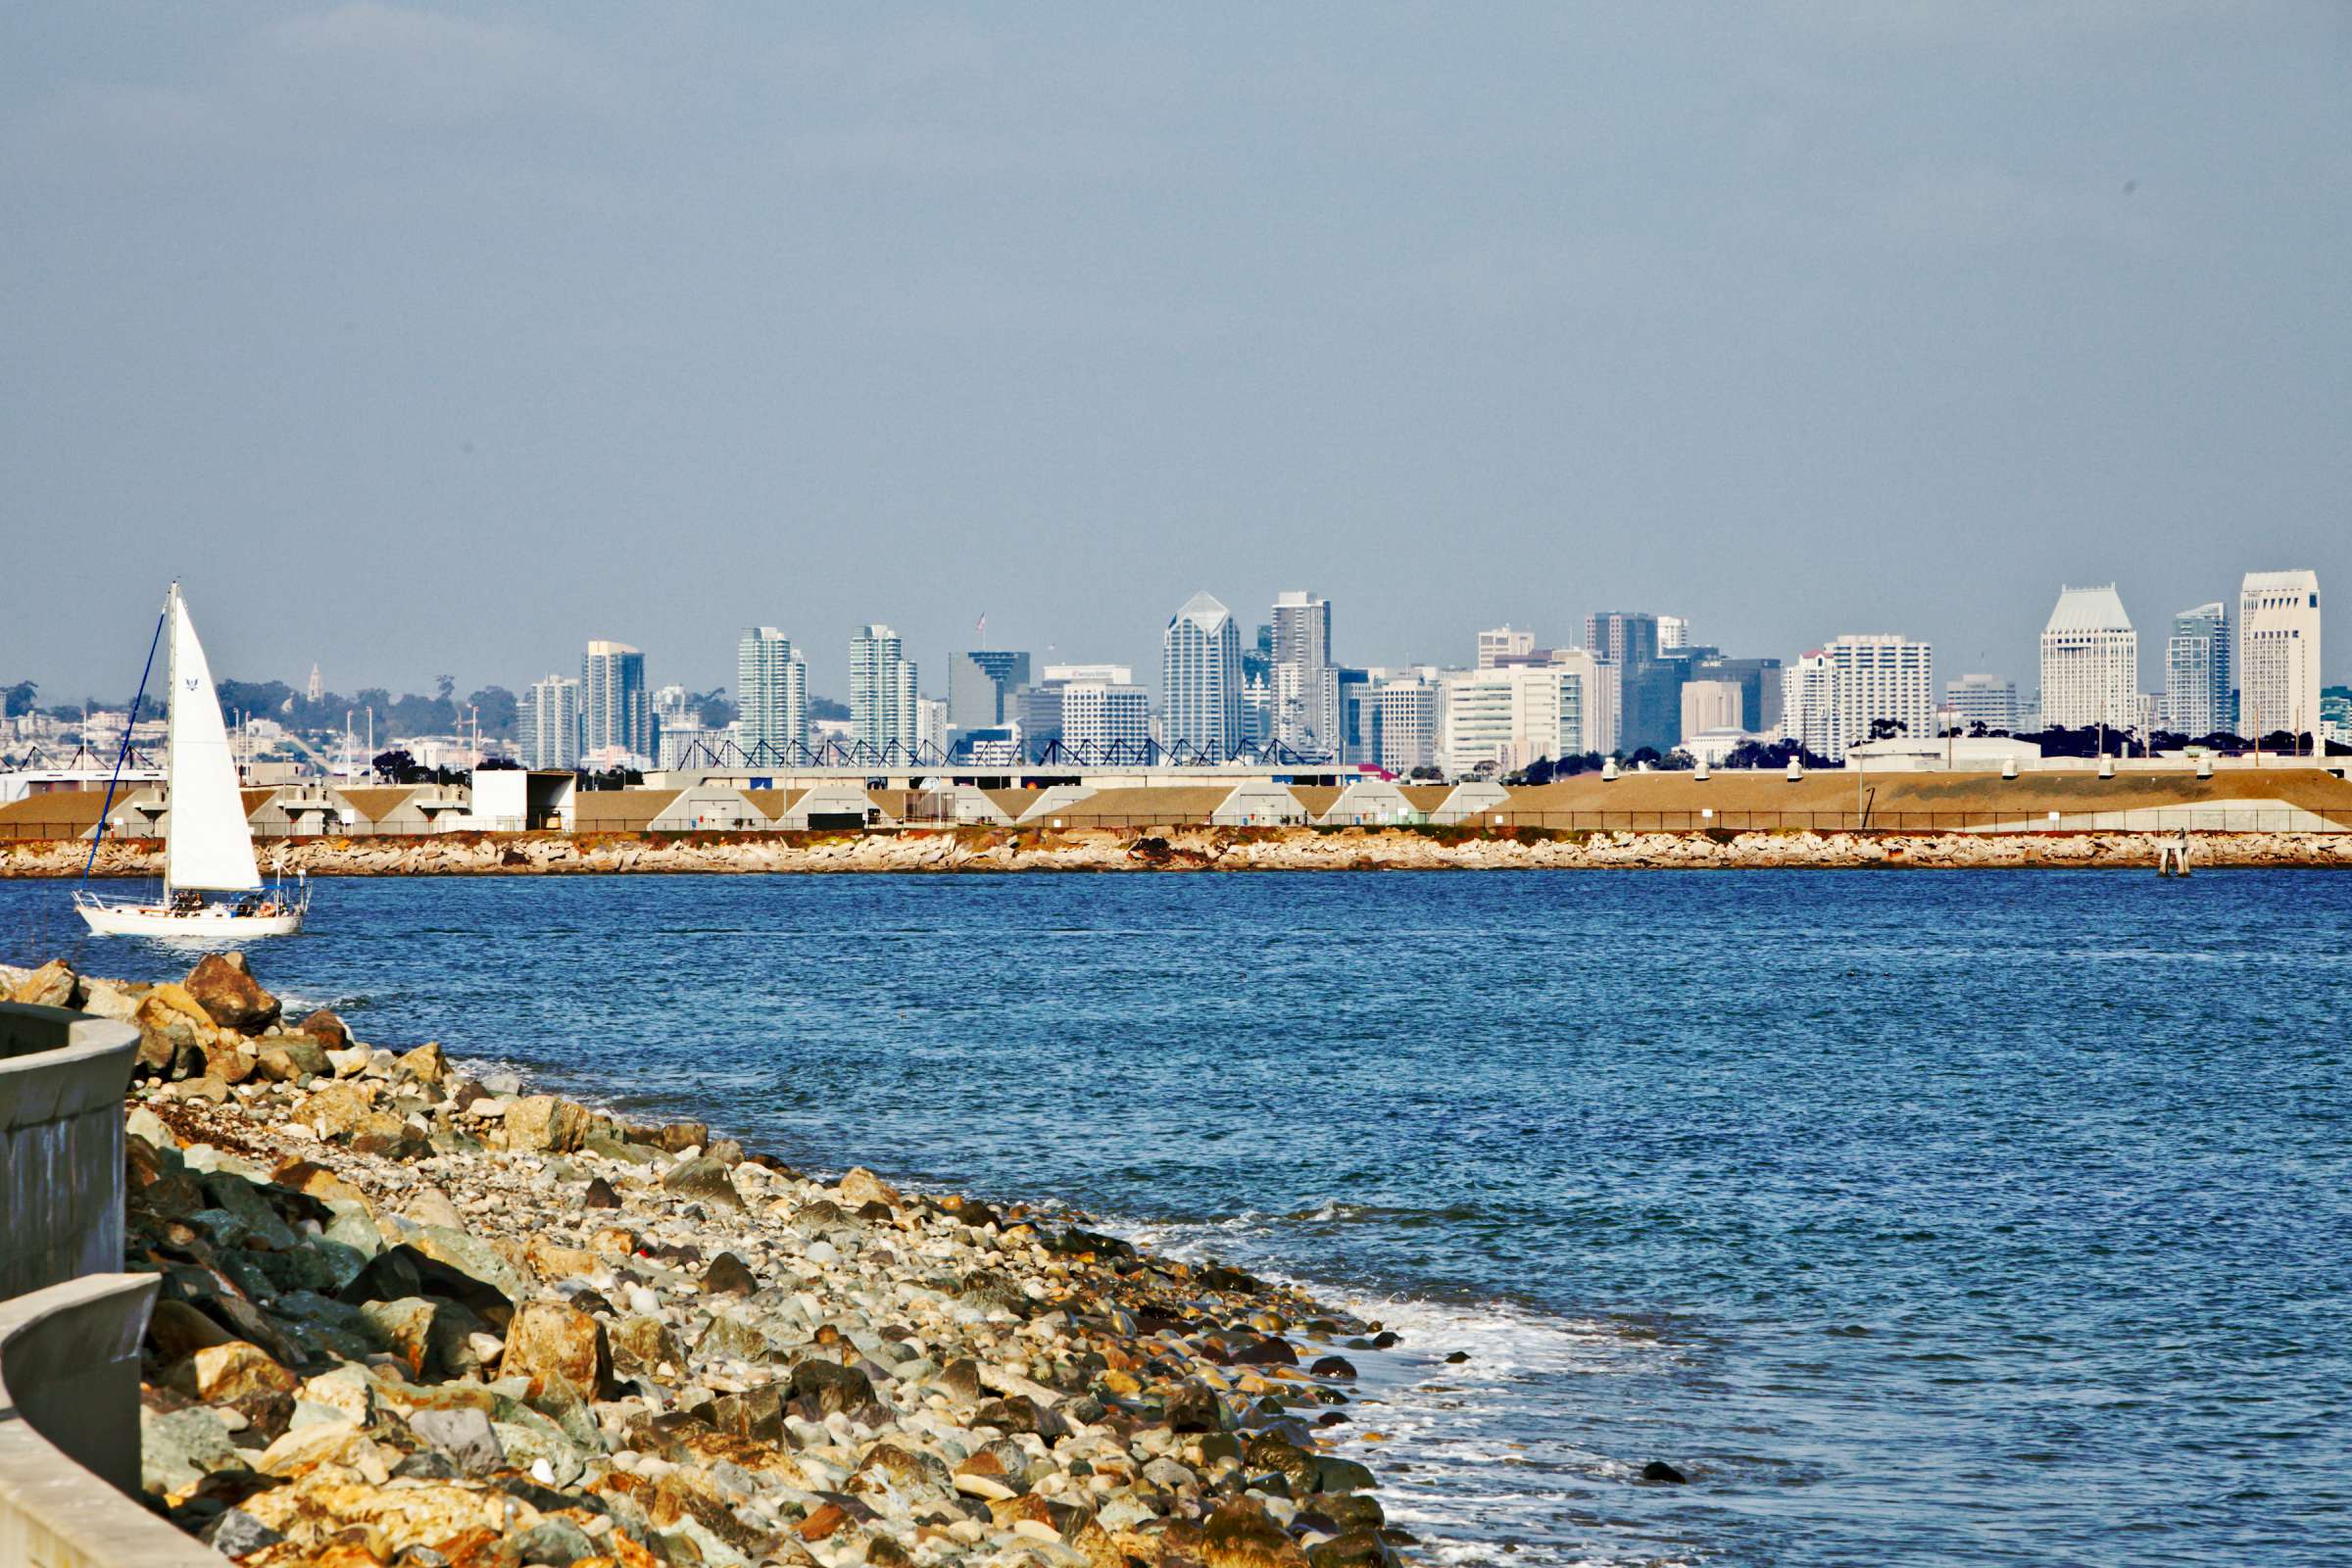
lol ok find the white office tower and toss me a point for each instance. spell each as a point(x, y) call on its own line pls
point(882, 691)
point(1510, 717)
point(2278, 654)
point(2196, 672)
point(547, 721)
point(1305, 685)
point(1809, 704)
point(617, 711)
point(931, 726)
point(1101, 718)
point(1402, 730)
point(771, 695)
point(1986, 700)
point(1712, 705)
point(1504, 642)
point(2089, 661)
point(1597, 690)
point(1200, 659)
point(1881, 676)
point(1674, 631)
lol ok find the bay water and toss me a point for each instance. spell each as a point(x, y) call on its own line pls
point(1915, 1217)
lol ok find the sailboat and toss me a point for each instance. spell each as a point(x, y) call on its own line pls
point(208, 847)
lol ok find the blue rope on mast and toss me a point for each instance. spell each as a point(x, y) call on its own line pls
point(98, 838)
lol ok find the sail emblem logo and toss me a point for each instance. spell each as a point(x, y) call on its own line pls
point(190, 683)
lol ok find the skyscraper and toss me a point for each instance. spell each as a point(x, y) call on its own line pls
point(546, 723)
point(771, 695)
point(1098, 715)
point(1306, 686)
point(1622, 636)
point(2196, 672)
point(984, 686)
point(882, 690)
point(1649, 688)
point(2089, 661)
point(1877, 676)
point(1809, 704)
point(1200, 657)
point(2279, 652)
point(617, 713)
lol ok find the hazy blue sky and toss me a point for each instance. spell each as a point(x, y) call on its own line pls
point(424, 340)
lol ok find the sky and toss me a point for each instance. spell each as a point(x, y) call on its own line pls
point(423, 341)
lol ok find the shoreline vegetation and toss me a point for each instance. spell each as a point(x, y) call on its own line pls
point(412, 1316)
point(976, 849)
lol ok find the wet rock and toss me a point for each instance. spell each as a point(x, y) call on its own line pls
point(1241, 1535)
point(678, 1136)
point(1356, 1548)
point(1332, 1366)
point(225, 989)
point(426, 1063)
point(1659, 1470)
point(327, 1028)
point(832, 1386)
point(1193, 1408)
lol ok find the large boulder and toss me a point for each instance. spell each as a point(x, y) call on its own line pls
point(549, 1340)
point(544, 1122)
point(175, 1031)
point(49, 985)
point(291, 1056)
point(1241, 1535)
point(225, 989)
point(327, 1028)
point(705, 1179)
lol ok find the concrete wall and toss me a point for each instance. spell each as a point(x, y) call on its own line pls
point(69, 1323)
point(62, 1078)
point(69, 1431)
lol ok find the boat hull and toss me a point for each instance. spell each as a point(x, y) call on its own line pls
point(202, 925)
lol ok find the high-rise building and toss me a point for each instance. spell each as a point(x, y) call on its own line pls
point(2196, 672)
point(1502, 643)
point(882, 690)
point(672, 705)
point(1986, 700)
point(1402, 732)
point(1354, 691)
point(984, 687)
point(1712, 705)
point(1759, 683)
point(1809, 704)
point(1098, 715)
point(2278, 654)
point(931, 726)
point(617, 713)
point(1200, 654)
point(1622, 636)
point(2089, 661)
point(1512, 716)
point(1877, 677)
point(1306, 686)
point(771, 695)
point(2335, 715)
point(546, 723)
point(1673, 632)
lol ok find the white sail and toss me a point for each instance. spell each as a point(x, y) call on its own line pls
point(207, 843)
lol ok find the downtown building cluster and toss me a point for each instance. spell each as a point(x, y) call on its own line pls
point(1634, 685)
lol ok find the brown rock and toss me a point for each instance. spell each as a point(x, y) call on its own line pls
point(325, 1028)
point(49, 985)
point(426, 1063)
point(643, 1343)
point(306, 1176)
point(1241, 1535)
point(600, 1194)
point(232, 1063)
point(291, 1056)
point(388, 1137)
point(337, 1110)
point(544, 1122)
point(230, 1370)
point(862, 1186)
point(224, 988)
point(548, 1337)
point(173, 1031)
point(823, 1521)
point(679, 1136)
point(728, 1275)
point(551, 1262)
point(178, 1329)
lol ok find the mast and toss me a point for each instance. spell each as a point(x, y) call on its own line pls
point(171, 729)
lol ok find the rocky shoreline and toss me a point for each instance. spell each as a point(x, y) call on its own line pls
point(408, 1317)
point(1206, 849)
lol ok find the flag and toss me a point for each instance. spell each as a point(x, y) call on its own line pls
point(982, 626)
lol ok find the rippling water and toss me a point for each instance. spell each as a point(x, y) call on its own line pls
point(1919, 1218)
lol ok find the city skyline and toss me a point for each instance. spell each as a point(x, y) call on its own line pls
point(2023, 297)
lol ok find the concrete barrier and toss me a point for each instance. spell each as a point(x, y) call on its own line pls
point(62, 1078)
point(70, 1322)
point(69, 1431)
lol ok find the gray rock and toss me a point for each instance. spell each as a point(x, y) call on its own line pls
point(464, 1435)
point(705, 1179)
point(236, 1533)
point(179, 1449)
